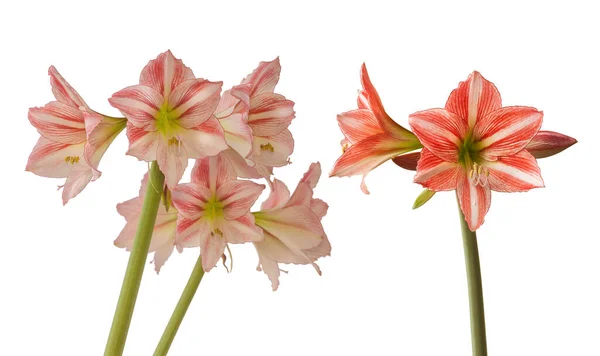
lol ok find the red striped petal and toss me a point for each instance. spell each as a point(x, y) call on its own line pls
point(139, 104)
point(213, 171)
point(548, 143)
point(278, 196)
point(506, 131)
point(53, 159)
point(473, 99)
point(165, 73)
point(357, 125)
point(270, 114)
point(142, 144)
point(59, 122)
point(238, 133)
point(63, 91)
point(172, 160)
point(440, 131)
point(101, 132)
point(241, 230)
point(190, 199)
point(264, 78)
point(474, 200)
point(436, 174)
point(516, 173)
point(238, 196)
point(194, 101)
point(206, 139)
point(273, 151)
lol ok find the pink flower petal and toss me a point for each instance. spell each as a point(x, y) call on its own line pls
point(264, 78)
point(190, 199)
point(516, 173)
point(53, 159)
point(206, 139)
point(241, 229)
point(59, 122)
point(237, 197)
point(236, 99)
point(212, 172)
point(189, 231)
point(273, 151)
point(312, 175)
point(63, 92)
point(100, 136)
point(194, 101)
point(440, 131)
point(161, 255)
point(319, 208)
point(78, 179)
point(165, 73)
point(436, 174)
point(212, 247)
point(357, 125)
point(268, 266)
point(142, 144)
point(506, 131)
point(548, 143)
point(238, 134)
point(474, 200)
point(172, 160)
point(240, 165)
point(270, 114)
point(278, 196)
point(296, 226)
point(139, 104)
point(473, 99)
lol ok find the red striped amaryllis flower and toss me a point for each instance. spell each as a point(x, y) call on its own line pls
point(73, 138)
point(474, 146)
point(371, 136)
point(170, 116)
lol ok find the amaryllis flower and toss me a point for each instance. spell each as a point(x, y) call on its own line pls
point(292, 226)
point(163, 235)
point(371, 136)
point(170, 116)
point(474, 145)
point(73, 138)
point(214, 209)
point(256, 120)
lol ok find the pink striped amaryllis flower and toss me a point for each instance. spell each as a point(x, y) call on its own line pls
point(163, 235)
point(214, 209)
point(371, 136)
point(292, 227)
point(255, 121)
point(170, 116)
point(73, 138)
point(474, 146)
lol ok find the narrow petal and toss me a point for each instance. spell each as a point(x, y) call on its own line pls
point(78, 179)
point(312, 175)
point(194, 101)
point(273, 151)
point(506, 131)
point(474, 200)
point(548, 143)
point(278, 196)
point(241, 230)
point(473, 99)
point(440, 131)
point(172, 160)
point(140, 104)
point(161, 255)
point(264, 78)
point(516, 173)
point(63, 92)
point(212, 172)
point(270, 114)
point(190, 199)
point(268, 266)
point(165, 73)
point(238, 133)
point(408, 161)
point(212, 247)
point(436, 174)
point(240, 165)
point(206, 139)
point(237, 197)
point(357, 125)
point(142, 144)
point(296, 226)
point(58, 122)
point(319, 208)
point(100, 136)
point(53, 159)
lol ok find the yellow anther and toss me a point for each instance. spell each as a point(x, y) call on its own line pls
point(217, 231)
point(345, 147)
point(173, 141)
point(267, 147)
point(471, 173)
point(72, 159)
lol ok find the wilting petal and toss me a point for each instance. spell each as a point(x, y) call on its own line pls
point(357, 125)
point(264, 78)
point(53, 159)
point(194, 101)
point(270, 114)
point(172, 160)
point(474, 200)
point(506, 131)
point(549, 143)
point(63, 92)
point(204, 140)
point(440, 131)
point(212, 247)
point(237, 197)
point(296, 226)
point(278, 196)
point(78, 178)
point(474, 99)
point(58, 122)
point(240, 165)
point(408, 161)
point(516, 173)
point(100, 134)
point(436, 174)
point(238, 133)
point(190, 199)
point(240, 230)
point(142, 144)
point(212, 172)
point(273, 151)
point(140, 104)
point(165, 73)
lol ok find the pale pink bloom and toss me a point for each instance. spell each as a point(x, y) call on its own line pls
point(256, 120)
point(292, 227)
point(163, 235)
point(170, 116)
point(73, 138)
point(371, 137)
point(214, 209)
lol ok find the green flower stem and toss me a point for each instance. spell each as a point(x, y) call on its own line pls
point(475, 291)
point(182, 306)
point(136, 264)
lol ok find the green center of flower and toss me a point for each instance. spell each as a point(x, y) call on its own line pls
point(213, 209)
point(166, 122)
point(469, 157)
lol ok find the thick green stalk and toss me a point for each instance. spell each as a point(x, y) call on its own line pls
point(478, 340)
point(136, 264)
point(182, 306)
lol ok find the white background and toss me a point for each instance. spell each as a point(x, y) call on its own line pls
point(395, 283)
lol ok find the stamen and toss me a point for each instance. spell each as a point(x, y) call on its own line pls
point(174, 141)
point(267, 147)
point(345, 146)
point(72, 159)
point(479, 175)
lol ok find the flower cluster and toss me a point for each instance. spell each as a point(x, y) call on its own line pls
point(170, 117)
point(473, 145)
